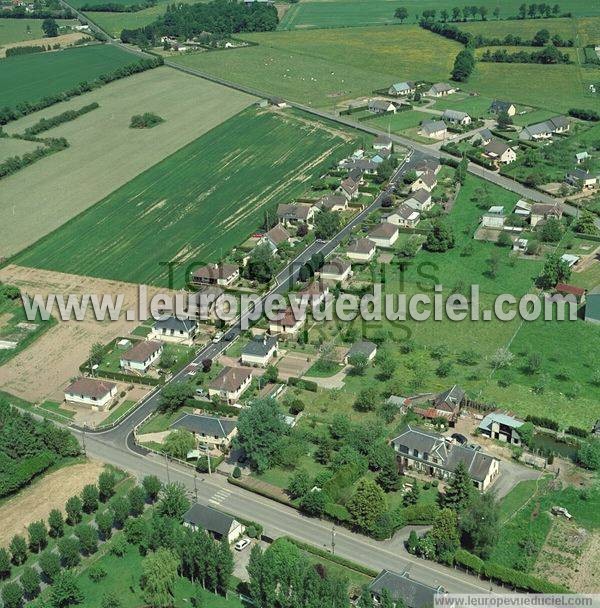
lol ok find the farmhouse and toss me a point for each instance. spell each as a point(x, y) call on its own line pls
point(434, 129)
point(216, 274)
point(456, 117)
point(384, 235)
point(98, 394)
point(334, 202)
point(275, 237)
point(435, 455)
point(364, 347)
point(404, 216)
point(337, 270)
point(174, 329)
point(501, 427)
point(381, 106)
point(592, 306)
point(216, 523)
point(540, 212)
point(420, 200)
point(498, 107)
point(403, 591)
point(294, 214)
point(440, 89)
point(499, 151)
point(230, 384)
point(260, 350)
point(287, 323)
point(581, 179)
point(402, 88)
point(349, 188)
point(494, 217)
point(141, 356)
point(214, 432)
point(362, 250)
point(383, 144)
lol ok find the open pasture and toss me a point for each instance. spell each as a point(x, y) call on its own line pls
point(196, 205)
point(15, 30)
point(102, 145)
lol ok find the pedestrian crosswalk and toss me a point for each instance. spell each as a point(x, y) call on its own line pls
point(220, 497)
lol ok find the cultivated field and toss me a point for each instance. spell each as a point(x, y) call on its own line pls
point(27, 75)
point(103, 146)
point(64, 40)
point(323, 67)
point(347, 13)
point(196, 205)
point(15, 30)
point(15, 147)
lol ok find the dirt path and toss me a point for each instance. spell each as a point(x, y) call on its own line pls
point(50, 492)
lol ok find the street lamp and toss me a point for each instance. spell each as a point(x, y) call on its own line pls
point(333, 540)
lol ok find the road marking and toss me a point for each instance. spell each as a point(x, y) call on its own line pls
point(220, 496)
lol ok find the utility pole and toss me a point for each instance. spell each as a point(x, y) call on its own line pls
point(207, 459)
point(83, 442)
point(168, 475)
point(195, 487)
point(333, 540)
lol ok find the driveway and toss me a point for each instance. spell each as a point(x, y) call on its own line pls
point(511, 473)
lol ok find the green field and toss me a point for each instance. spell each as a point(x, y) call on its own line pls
point(15, 147)
point(397, 123)
point(25, 78)
point(348, 13)
point(196, 205)
point(15, 30)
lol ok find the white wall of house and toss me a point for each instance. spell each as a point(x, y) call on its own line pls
point(95, 404)
point(257, 361)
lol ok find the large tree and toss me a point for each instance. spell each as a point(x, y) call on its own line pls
point(440, 238)
point(179, 443)
point(50, 28)
point(460, 489)
point(174, 395)
point(261, 264)
point(327, 224)
point(159, 573)
point(65, 590)
point(366, 505)
point(445, 535)
point(174, 502)
point(480, 525)
point(555, 271)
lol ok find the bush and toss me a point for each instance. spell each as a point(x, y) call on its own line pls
point(301, 383)
point(237, 473)
point(469, 561)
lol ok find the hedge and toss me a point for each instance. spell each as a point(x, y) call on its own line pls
point(49, 123)
point(13, 478)
point(520, 580)
point(128, 378)
point(337, 512)
point(469, 561)
point(587, 237)
point(307, 385)
point(216, 408)
point(578, 432)
point(419, 514)
point(342, 479)
point(277, 498)
point(546, 423)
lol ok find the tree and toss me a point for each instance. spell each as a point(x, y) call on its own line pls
point(299, 484)
point(159, 573)
point(412, 496)
point(56, 523)
point(504, 240)
point(65, 590)
point(50, 565)
point(367, 399)
point(110, 600)
point(179, 443)
point(440, 238)
point(551, 231)
point(88, 538)
point(459, 490)
point(136, 531)
point(388, 478)
point(96, 354)
point(401, 13)
point(444, 534)
point(496, 12)
point(259, 429)
point(366, 505)
point(12, 595)
point(359, 363)
point(366, 599)
point(30, 581)
point(73, 507)
point(175, 395)
point(50, 28)
point(502, 358)
point(261, 264)
point(271, 374)
point(38, 536)
point(225, 564)
point(5, 566)
point(137, 500)
point(89, 497)
point(152, 486)
point(313, 503)
point(120, 508)
point(480, 525)
point(174, 502)
point(555, 271)
point(105, 522)
point(68, 549)
point(586, 223)
point(327, 224)
point(463, 65)
point(18, 550)
point(589, 454)
point(385, 599)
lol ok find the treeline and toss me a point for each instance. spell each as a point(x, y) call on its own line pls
point(16, 163)
point(221, 18)
point(548, 56)
point(24, 108)
point(112, 7)
point(28, 50)
point(473, 12)
point(583, 114)
point(45, 124)
point(19, 12)
point(29, 447)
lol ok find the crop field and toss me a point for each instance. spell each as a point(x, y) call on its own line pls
point(196, 205)
point(348, 13)
point(25, 78)
point(323, 67)
point(102, 144)
point(15, 147)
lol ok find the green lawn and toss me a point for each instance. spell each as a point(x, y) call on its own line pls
point(475, 105)
point(196, 204)
point(117, 412)
point(15, 30)
point(26, 76)
point(399, 122)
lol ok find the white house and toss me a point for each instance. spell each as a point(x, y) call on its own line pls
point(433, 129)
point(426, 181)
point(404, 216)
point(364, 347)
point(216, 274)
point(401, 89)
point(420, 200)
point(494, 217)
point(361, 250)
point(498, 107)
point(314, 294)
point(384, 235)
point(259, 351)
point(230, 384)
point(581, 157)
point(287, 323)
point(499, 152)
point(213, 432)
point(98, 394)
point(275, 237)
point(456, 117)
point(337, 270)
point(294, 214)
point(381, 106)
point(333, 202)
point(540, 212)
point(141, 356)
point(382, 144)
point(579, 177)
point(349, 188)
point(440, 89)
point(216, 523)
point(174, 329)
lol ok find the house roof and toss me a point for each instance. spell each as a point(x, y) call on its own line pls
point(361, 246)
point(382, 140)
point(592, 305)
point(206, 425)
point(216, 271)
point(500, 106)
point(485, 134)
point(349, 185)
point(176, 324)
point(384, 230)
point(406, 212)
point(582, 155)
point(570, 289)
point(454, 115)
point(413, 593)
point(260, 346)
point(433, 126)
point(294, 211)
point(278, 234)
point(496, 146)
point(421, 196)
point(580, 174)
point(403, 86)
point(380, 104)
point(441, 87)
point(230, 379)
point(141, 351)
point(500, 418)
point(363, 347)
point(451, 398)
point(288, 318)
point(355, 174)
point(332, 200)
point(559, 122)
point(428, 178)
point(316, 288)
point(539, 128)
point(336, 266)
point(208, 518)
point(90, 387)
point(546, 209)
point(427, 164)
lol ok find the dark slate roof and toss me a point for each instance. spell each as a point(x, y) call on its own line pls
point(175, 324)
point(364, 347)
point(208, 425)
point(260, 346)
point(400, 586)
point(592, 306)
point(208, 518)
point(485, 134)
point(452, 397)
point(497, 147)
point(500, 106)
point(433, 126)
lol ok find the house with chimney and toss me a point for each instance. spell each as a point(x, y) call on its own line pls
point(141, 356)
point(221, 274)
point(287, 322)
point(260, 351)
point(230, 384)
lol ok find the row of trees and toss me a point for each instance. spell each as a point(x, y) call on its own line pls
point(549, 55)
point(16, 163)
point(473, 12)
point(44, 124)
point(116, 7)
point(464, 64)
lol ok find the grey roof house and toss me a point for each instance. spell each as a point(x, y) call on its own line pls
point(402, 588)
point(364, 347)
point(260, 350)
point(217, 523)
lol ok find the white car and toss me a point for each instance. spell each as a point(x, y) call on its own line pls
point(217, 337)
point(241, 544)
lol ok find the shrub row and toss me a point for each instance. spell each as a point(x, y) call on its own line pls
point(546, 423)
point(27, 50)
point(307, 385)
point(16, 163)
point(270, 495)
point(584, 114)
point(19, 475)
point(49, 123)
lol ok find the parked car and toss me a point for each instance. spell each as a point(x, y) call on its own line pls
point(561, 511)
point(200, 391)
point(217, 337)
point(242, 544)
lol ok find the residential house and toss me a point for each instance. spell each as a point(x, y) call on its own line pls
point(211, 431)
point(403, 590)
point(333, 202)
point(426, 181)
point(356, 175)
point(260, 350)
point(592, 306)
point(494, 217)
point(404, 216)
point(230, 384)
point(440, 89)
point(216, 523)
point(456, 117)
point(336, 269)
point(501, 427)
point(540, 212)
point(426, 165)
point(287, 323)
point(349, 188)
point(559, 124)
point(434, 129)
point(216, 274)
point(203, 304)
point(401, 89)
point(569, 259)
point(420, 200)
point(446, 404)
point(364, 347)
point(536, 132)
point(498, 107)
point(278, 102)
point(566, 289)
point(436, 455)
point(314, 294)
point(581, 179)
point(98, 394)
point(381, 106)
point(362, 250)
point(276, 237)
point(485, 136)
point(295, 214)
point(383, 144)
point(174, 329)
point(384, 235)
point(499, 151)
point(141, 356)
point(581, 157)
